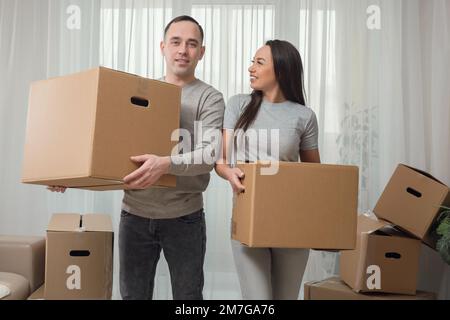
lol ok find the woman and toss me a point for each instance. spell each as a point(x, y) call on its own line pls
point(276, 105)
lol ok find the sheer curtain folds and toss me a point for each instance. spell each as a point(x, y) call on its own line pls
point(380, 92)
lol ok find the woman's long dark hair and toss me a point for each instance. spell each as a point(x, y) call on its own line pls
point(288, 69)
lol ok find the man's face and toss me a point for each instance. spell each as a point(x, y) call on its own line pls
point(182, 48)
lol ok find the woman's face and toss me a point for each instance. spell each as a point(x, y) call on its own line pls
point(262, 72)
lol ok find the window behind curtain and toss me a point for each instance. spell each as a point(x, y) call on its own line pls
point(131, 31)
point(130, 34)
point(233, 33)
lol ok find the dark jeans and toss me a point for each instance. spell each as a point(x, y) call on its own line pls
point(183, 241)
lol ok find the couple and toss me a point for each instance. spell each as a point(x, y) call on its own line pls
point(172, 219)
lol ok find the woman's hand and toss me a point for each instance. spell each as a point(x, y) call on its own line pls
point(235, 176)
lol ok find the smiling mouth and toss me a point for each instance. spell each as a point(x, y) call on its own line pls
point(182, 61)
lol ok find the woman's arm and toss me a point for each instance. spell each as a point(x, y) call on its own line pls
point(222, 167)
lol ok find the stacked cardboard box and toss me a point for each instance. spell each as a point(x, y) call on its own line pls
point(412, 200)
point(386, 257)
point(83, 128)
point(385, 260)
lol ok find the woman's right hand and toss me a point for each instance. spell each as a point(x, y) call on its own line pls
point(235, 176)
point(57, 189)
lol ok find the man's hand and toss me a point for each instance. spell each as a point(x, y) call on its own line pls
point(56, 189)
point(152, 168)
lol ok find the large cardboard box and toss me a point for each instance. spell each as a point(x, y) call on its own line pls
point(411, 200)
point(385, 259)
point(79, 257)
point(83, 128)
point(304, 205)
point(335, 289)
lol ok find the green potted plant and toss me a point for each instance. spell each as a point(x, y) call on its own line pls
point(443, 232)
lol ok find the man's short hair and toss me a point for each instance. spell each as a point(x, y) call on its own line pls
point(185, 18)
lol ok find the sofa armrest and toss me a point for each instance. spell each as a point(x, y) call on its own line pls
point(25, 256)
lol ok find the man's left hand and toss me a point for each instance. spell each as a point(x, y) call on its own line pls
point(152, 168)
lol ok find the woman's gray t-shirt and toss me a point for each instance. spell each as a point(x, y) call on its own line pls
point(279, 132)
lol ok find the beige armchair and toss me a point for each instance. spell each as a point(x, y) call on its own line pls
point(22, 266)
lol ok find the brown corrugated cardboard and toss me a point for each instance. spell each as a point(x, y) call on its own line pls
point(378, 245)
point(304, 205)
point(335, 289)
point(79, 257)
point(83, 128)
point(411, 200)
point(38, 294)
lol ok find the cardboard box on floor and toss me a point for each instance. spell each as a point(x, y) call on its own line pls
point(79, 257)
point(83, 128)
point(38, 294)
point(385, 260)
point(335, 289)
point(412, 200)
point(304, 205)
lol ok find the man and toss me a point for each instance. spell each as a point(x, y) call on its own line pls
point(172, 219)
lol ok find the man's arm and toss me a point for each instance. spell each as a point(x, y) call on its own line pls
point(207, 146)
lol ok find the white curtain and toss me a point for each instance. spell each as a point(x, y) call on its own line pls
point(379, 88)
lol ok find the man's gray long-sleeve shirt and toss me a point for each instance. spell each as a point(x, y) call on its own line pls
point(201, 106)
